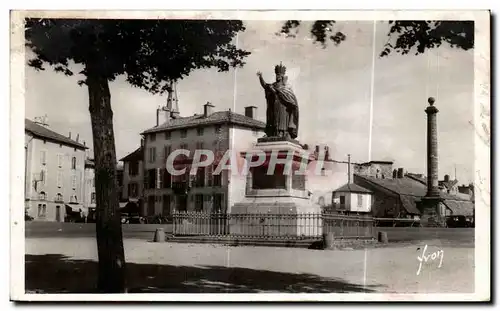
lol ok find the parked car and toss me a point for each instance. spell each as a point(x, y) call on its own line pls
point(458, 222)
point(28, 217)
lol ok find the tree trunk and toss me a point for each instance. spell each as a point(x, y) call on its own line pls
point(111, 278)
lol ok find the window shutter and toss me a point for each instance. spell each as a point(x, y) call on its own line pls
point(59, 179)
point(43, 157)
point(60, 160)
point(159, 175)
point(209, 175)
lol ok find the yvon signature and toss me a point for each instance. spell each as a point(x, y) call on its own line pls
point(438, 255)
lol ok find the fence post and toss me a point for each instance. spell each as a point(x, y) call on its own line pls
point(329, 240)
point(159, 235)
point(382, 237)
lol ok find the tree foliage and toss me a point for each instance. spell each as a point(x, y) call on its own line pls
point(150, 53)
point(404, 36)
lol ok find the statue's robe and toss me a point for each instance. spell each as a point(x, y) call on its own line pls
point(282, 110)
point(289, 107)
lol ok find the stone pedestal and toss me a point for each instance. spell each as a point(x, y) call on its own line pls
point(432, 212)
point(274, 198)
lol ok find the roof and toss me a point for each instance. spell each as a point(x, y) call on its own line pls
point(136, 155)
point(43, 132)
point(218, 117)
point(406, 186)
point(352, 188)
point(447, 184)
point(461, 208)
point(377, 162)
point(418, 177)
point(409, 203)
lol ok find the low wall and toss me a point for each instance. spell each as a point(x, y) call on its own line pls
point(408, 234)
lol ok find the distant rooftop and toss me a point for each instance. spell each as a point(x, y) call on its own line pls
point(43, 132)
point(352, 188)
point(136, 155)
point(219, 117)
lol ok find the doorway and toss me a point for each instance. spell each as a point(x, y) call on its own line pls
point(58, 213)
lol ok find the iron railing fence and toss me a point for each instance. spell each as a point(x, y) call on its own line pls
point(272, 226)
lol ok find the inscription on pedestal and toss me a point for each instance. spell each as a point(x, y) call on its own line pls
point(261, 180)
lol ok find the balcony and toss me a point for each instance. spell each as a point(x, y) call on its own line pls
point(181, 187)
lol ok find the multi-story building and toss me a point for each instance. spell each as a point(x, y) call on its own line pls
point(54, 173)
point(204, 190)
point(89, 201)
point(133, 177)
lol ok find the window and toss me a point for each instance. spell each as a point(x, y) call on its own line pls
point(199, 131)
point(133, 168)
point(59, 179)
point(73, 163)
point(42, 210)
point(167, 135)
point(217, 179)
point(151, 179)
point(92, 198)
point(342, 202)
point(73, 182)
point(93, 182)
point(167, 179)
point(59, 197)
point(360, 200)
point(209, 176)
point(198, 203)
point(166, 205)
point(60, 159)
point(152, 155)
point(183, 133)
point(152, 137)
point(42, 196)
point(200, 177)
point(151, 205)
point(167, 151)
point(199, 145)
point(43, 157)
point(43, 176)
point(218, 202)
point(73, 199)
point(218, 129)
point(184, 146)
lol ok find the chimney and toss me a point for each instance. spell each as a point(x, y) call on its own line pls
point(400, 172)
point(208, 109)
point(84, 143)
point(69, 136)
point(142, 142)
point(348, 169)
point(250, 111)
point(432, 150)
point(446, 178)
point(77, 137)
point(395, 173)
point(327, 153)
point(158, 116)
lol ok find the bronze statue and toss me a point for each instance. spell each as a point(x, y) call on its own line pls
point(282, 118)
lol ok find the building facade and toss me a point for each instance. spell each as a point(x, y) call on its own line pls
point(54, 173)
point(204, 190)
point(89, 201)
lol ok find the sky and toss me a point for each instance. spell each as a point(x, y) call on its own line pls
point(335, 87)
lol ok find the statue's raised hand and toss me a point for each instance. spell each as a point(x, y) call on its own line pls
point(259, 73)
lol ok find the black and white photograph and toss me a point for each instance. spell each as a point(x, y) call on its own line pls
point(283, 155)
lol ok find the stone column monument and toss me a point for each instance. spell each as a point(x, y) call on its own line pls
point(431, 207)
point(278, 187)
